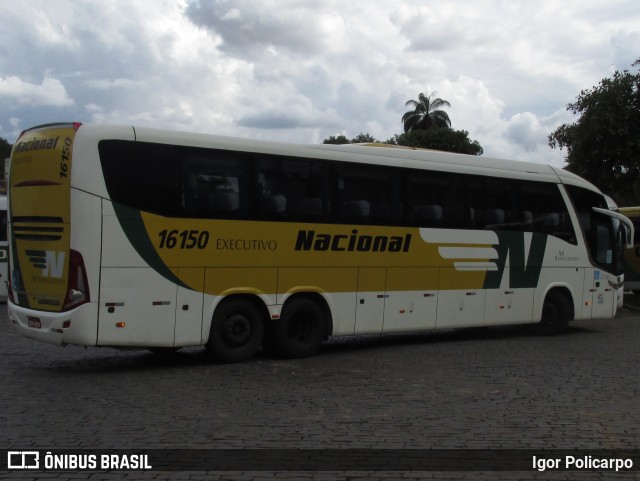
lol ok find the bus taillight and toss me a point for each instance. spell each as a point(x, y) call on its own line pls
point(78, 290)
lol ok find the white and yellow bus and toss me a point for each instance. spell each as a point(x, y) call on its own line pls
point(632, 255)
point(123, 236)
point(4, 248)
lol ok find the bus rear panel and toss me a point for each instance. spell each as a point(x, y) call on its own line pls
point(49, 284)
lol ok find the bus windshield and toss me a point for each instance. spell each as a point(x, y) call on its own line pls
point(603, 233)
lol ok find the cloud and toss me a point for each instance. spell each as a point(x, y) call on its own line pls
point(51, 92)
point(250, 28)
point(525, 130)
point(300, 71)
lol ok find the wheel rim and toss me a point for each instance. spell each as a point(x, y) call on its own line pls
point(236, 330)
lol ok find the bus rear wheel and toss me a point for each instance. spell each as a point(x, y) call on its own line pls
point(300, 329)
point(236, 331)
point(557, 311)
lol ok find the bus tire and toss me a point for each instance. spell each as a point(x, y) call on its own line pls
point(236, 333)
point(300, 329)
point(557, 311)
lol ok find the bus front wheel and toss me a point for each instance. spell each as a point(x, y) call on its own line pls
point(236, 331)
point(557, 311)
point(300, 329)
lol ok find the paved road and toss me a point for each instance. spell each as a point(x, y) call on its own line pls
point(473, 389)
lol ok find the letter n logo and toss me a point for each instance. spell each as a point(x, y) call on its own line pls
point(54, 265)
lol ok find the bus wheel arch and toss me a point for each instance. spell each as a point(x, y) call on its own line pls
point(237, 328)
point(304, 323)
point(557, 311)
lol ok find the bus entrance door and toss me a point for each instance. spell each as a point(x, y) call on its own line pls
point(189, 301)
point(370, 300)
point(601, 295)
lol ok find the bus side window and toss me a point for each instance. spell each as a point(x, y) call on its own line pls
point(430, 199)
point(290, 189)
point(143, 176)
point(215, 185)
point(366, 195)
point(492, 203)
point(549, 214)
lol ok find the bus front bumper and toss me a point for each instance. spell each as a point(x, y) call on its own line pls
point(78, 326)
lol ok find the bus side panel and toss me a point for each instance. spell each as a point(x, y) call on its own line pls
point(117, 251)
point(371, 300)
point(189, 308)
point(137, 304)
point(508, 306)
point(604, 296)
point(411, 298)
point(461, 298)
point(137, 308)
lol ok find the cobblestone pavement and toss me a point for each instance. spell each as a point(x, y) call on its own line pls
point(485, 389)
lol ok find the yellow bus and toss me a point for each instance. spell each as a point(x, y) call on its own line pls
point(126, 236)
point(632, 255)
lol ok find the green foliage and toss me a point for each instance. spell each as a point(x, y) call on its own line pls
point(363, 139)
point(358, 139)
point(340, 139)
point(427, 113)
point(5, 149)
point(436, 139)
point(440, 139)
point(603, 145)
point(426, 127)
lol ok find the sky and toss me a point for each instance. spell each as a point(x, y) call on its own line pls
point(300, 71)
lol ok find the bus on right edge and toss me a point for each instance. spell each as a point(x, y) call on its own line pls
point(632, 255)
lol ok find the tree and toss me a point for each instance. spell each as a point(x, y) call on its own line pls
point(5, 150)
point(603, 145)
point(427, 113)
point(5, 153)
point(361, 138)
point(426, 127)
point(445, 139)
point(340, 139)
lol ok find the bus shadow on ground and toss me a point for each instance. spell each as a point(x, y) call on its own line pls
point(116, 360)
point(471, 334)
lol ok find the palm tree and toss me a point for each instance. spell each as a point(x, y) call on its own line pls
point(426, 113)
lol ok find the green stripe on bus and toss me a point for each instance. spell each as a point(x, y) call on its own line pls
point(133, 227)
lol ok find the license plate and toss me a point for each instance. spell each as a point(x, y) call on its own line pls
point(34, 323)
